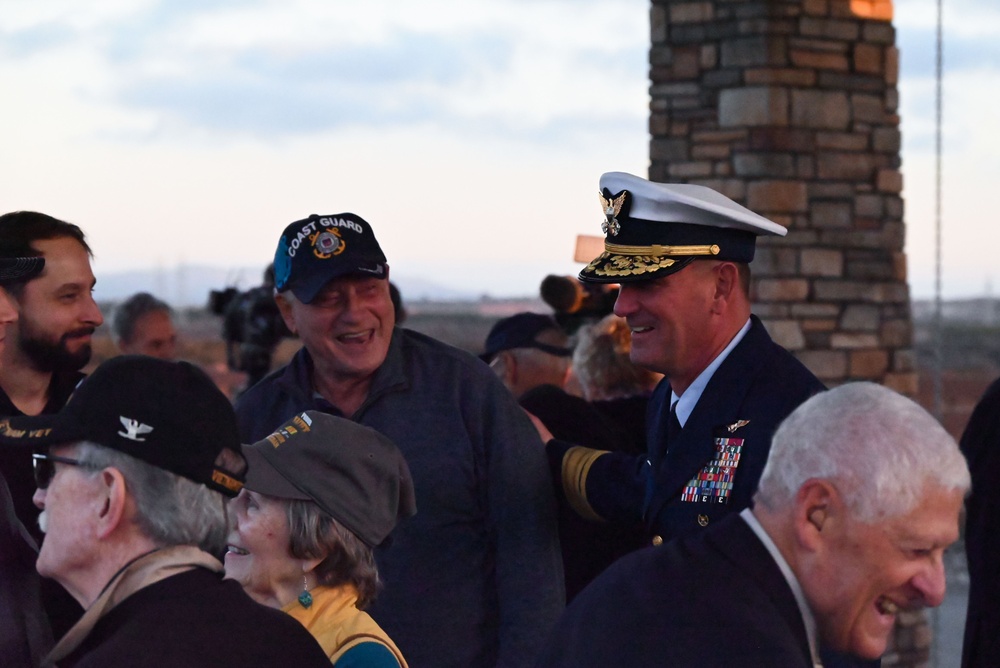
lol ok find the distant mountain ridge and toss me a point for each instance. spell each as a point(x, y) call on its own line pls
point(189, 285)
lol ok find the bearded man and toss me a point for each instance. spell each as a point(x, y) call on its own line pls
point(44, 351)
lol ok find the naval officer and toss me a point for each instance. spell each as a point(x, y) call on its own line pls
point(682, 254)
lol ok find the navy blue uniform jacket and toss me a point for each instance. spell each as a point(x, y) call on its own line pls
point(714, 599)
point(981, 447)
point(713, 467)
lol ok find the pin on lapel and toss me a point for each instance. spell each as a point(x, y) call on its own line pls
point(736, 425)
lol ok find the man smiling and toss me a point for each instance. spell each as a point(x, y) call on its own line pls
point(132, 477)
point(474, 579)
point(859, 499)
point(681, 254)
point(51, 341)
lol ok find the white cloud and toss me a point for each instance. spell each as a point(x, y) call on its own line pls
point(471, 135)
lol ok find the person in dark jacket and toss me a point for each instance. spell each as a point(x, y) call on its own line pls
point(610, 415)
point(981, 446)
point(681, 254)
point(132, 477)
point(860, 498)
point(25, 636)
point(475, 578)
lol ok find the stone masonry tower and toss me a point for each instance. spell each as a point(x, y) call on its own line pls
point(790, 108)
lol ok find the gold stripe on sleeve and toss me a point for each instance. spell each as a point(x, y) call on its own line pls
point(576, 465)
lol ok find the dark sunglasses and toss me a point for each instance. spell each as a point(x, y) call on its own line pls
point(45, 467)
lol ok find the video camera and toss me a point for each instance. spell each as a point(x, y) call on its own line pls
point(252, 326)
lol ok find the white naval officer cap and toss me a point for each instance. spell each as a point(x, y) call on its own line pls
point(655, 229)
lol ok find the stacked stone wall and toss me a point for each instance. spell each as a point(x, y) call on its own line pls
point(791, 108)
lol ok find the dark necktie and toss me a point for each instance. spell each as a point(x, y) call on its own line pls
point(655, 462)
point(673, 426)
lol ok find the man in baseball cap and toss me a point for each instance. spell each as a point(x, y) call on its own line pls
point(460, 595)
point(302, 261)
point(132, 476)
point(527, 350)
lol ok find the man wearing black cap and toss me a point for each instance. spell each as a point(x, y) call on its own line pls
point(132, 487)
point(681, 254)
point(474, 579)
point(527, 350)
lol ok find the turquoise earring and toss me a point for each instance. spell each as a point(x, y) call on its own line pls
point(305, 598)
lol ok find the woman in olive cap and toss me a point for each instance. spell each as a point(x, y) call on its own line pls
point(320, 493)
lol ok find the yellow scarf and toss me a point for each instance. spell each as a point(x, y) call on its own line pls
point(337, 624)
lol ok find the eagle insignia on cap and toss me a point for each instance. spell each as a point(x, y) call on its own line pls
point(612, 207)
point(328, 243)
point(134, 430)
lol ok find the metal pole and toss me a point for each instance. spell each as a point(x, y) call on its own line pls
point(938, 352)
point(938, 335)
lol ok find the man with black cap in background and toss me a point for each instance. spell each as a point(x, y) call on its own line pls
point(474, 579)
point(527, 350)
point(132, 481)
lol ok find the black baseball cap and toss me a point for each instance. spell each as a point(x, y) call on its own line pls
point(519, 331)
point(352, 472)
point(313, 251)
point(14, 269)
point(167, 414)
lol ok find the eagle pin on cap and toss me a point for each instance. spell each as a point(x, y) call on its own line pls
point(656, 229)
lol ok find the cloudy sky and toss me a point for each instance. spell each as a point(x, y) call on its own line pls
point(470, 134)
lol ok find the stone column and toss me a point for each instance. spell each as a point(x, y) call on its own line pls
point(790, 107)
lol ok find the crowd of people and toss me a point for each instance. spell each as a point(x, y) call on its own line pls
point(658, 485)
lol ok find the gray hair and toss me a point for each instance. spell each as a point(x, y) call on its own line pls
point(602, 365)
point(348, 560)
point(879, 448)
point(130, 311)
point(170, 509)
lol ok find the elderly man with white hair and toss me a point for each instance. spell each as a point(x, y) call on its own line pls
point(859, 499)
point(132, 478)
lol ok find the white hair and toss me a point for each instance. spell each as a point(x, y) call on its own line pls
point(880, 449)
point(170, 509)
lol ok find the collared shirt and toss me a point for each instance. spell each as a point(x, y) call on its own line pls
point(687, 401)
point(800, 598)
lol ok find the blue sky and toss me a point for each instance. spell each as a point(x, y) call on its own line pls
point(470, 134)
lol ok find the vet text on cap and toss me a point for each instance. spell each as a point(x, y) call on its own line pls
point(352, 472)
point(168, 414)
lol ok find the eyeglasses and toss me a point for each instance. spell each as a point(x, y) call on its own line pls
point(45, 467)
